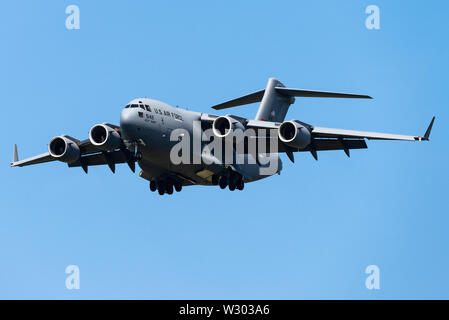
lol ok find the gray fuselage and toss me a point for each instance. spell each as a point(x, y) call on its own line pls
point(147, 124)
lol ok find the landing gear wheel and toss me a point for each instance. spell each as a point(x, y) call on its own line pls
point(214, 180)
point(138, 156)
point(231, 186)
point(223, 182)
point(170, 189)
point(161, 188)
point(153, 186)
point(178, 187)
point(240, 185)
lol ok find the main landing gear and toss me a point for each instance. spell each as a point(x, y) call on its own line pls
point(165, 186)
point(230, 179)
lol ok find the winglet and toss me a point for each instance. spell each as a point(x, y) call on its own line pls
point(429, 129)
point(15, 156)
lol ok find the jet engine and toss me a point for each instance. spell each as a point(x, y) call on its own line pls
point(294, 135)
point(104, 137)
point(64, 149)
point(224, 125)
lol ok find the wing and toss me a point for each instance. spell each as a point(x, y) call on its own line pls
point(42, 158)
point(324, 138)
point(321, 132)
point(342, 133)
point(337, 139)
point(89, 155)
point(110, 158)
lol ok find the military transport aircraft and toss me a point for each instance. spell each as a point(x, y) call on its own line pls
point(146, 127)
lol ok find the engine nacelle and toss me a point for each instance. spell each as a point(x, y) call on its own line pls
point(104, 137)
point(224, 125)
point(294, 135)
point(64, 149)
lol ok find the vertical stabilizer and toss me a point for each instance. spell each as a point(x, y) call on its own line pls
point(274, 105)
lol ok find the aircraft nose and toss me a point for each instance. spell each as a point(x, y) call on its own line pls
point(128, 122)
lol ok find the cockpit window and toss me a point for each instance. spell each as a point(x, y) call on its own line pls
point(127, 106)
point(133, 106)
point(148, 108)
point(141, 106)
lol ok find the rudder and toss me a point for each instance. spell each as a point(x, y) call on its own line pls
point(274, 105)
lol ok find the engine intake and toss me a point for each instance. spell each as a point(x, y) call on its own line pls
point(64, 149)
point(294, 135)
point(223, 126)
point(104, 137)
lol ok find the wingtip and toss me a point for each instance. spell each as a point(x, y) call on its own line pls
point(15, 156)
point(429, 129)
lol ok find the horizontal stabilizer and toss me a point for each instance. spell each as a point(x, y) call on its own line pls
point(318, 94)
point(249, 98)
point(258, 95)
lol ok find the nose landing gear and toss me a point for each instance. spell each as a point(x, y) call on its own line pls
point(137, 156)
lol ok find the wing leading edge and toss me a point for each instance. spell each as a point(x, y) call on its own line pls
point(90, 155)
point(44, 157)
point(335, 139)
point(342, 133)
point(86, 147)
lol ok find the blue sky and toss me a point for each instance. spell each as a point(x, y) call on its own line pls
point(306, 234)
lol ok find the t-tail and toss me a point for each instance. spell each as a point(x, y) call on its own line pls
point(275, 100)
